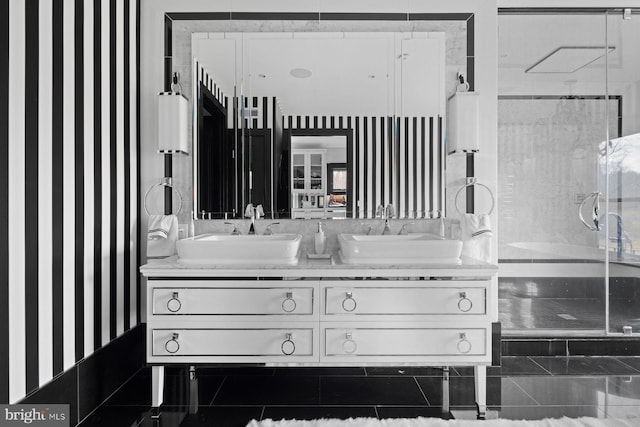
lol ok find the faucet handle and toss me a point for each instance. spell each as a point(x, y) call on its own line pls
point(402, 229)
point(235, 231)
point(267, 231)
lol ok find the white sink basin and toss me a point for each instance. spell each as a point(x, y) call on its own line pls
point(215, 249)
point(414, 248)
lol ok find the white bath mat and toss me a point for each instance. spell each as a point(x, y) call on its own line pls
point(436, 422)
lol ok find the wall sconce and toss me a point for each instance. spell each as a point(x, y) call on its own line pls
point(173, 116)
point(463, 130)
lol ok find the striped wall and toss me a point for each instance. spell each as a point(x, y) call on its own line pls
point(69, 197)
point(398, 161)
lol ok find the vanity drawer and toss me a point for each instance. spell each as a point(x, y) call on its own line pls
point(404, 342)
point(282, 342)
point(404, 300)
point(233, 301)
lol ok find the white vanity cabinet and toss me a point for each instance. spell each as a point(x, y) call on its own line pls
point(333, 315)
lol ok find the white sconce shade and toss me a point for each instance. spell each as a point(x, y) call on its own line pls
point(463, 130)
point(172, 123)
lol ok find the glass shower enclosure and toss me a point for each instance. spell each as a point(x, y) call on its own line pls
point(569, 172)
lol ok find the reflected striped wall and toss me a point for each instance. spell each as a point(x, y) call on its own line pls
point(69, 197)
point(398, 161)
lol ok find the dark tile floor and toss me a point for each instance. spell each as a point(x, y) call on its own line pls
point(521, 388)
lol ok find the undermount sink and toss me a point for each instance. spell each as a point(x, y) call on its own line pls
point(216, 249)
point(414, 248)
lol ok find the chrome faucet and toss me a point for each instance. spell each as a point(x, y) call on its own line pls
point(267, 230)
point(235, 231)
point(385, 212)
point(402, 230)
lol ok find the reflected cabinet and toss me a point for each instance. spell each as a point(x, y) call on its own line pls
point(308, 183)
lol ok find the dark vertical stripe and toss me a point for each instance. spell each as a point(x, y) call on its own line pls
point(333, 122)
point(57, 183)
point(127, 170)
point(290, 122)
point(79, 178)
point(374, 164)
point(365, 163)
point(4, 201)
point(382, 160)
point(340, 123)
point(416, 207)
point(298, 122)
point(315, 121)
point(423, 146)
point(440, 174)
point(394, 135)
point(137, 144)
point(97, 176)
point(265, 109)
point(324, 122)
point(113, 176)
point(168, 193)
point(306, 121)
point(31, 193)
point(470, 189)
point(168, 60)
point(356, 169)
point(406, 161)
point(429, 187)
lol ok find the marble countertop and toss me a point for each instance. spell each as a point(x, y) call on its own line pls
point(312, 267)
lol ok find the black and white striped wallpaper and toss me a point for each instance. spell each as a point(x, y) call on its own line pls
point(69, 198)
point(398, 161)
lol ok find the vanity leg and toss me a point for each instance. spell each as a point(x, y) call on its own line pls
point(193, 391)
point(445, 390)
point(157, 390)
point(480, 375)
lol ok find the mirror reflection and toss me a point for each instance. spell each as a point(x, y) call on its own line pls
point(319, 125)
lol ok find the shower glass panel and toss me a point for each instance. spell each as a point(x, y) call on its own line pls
point(552, 120)
point(620, 171)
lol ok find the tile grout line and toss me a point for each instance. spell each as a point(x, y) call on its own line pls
point(108, 397)
point(542, 367)
point(218, 391)
point(524, 391)
point(627, 365)
point(421, 391)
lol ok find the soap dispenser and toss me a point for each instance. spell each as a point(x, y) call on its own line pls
point(319, 240)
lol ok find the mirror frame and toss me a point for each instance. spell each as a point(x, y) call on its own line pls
point(467, 18)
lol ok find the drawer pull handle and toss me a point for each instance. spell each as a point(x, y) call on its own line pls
point(464, 304)
point(172, 346)
point(349, 346)
point(289, 304)
point(288, 347)
point(464, 345)
point(349, 304)
point(174, 305)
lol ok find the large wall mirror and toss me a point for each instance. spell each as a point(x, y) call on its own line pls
point(319, 124)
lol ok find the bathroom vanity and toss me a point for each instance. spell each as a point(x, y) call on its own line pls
point(321, 312)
